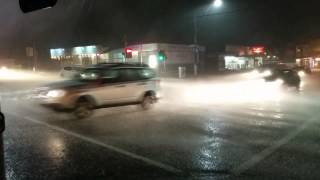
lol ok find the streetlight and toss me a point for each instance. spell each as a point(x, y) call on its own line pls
point(216, 4)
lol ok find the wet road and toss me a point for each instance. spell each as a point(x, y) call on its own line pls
point(231, 132)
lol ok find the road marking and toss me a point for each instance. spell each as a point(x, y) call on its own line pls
point(105, 145)
point(11, 93)
point(255, 159)
point(232, 113)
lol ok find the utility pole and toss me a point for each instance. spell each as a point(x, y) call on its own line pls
point(195, 42)
point(141, 60)
point(216, 4)
point(125, 46)
point(35, 56)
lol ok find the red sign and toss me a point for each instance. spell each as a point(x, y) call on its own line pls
point(258, 50)
point(128, 50)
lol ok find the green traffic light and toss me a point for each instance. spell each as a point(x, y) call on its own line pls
point(161, 58)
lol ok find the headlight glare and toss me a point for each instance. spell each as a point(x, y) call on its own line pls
point(301, 73)
point(279, 81)
point(56, 93)
point(267, 73)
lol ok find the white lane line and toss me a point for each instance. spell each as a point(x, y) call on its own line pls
point(255, 159)
point(105, 145)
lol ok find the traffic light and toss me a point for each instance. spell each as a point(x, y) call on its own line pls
point(128, 52)
point(161, 56)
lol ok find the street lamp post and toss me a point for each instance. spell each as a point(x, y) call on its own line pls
point(195, 42)
point(216, 4)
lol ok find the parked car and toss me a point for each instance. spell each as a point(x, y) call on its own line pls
point(71, 71)
point(102, 86)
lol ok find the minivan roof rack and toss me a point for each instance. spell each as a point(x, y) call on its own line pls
point(121, 65)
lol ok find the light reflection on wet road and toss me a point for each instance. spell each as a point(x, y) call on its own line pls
point(207, 139)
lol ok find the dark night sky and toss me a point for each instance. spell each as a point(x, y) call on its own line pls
point(77, 22)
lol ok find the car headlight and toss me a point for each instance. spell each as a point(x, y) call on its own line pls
point(301, 73)
point(279, 81)
point(56, 93)
point(158, 95)
point(267, 73)
point(4, 68)
point(255, 72)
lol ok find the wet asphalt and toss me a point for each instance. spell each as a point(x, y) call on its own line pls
point(180, 138)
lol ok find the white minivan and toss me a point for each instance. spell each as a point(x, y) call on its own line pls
point(101, 86)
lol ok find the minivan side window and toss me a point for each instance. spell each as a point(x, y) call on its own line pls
point(67, 68)
point(110, 76)
point(129, 74)
point(146, 73)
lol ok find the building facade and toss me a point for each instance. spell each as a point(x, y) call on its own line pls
point(308, 54)
point(176, 55)
point(81, 55)
point(245, 57)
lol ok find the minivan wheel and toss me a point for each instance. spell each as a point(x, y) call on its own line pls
point(147, 102)
point(83, 109)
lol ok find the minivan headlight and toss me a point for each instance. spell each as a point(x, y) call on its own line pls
point(56, 93)
point(279, 81)
point(267, 73)
point(301, 73)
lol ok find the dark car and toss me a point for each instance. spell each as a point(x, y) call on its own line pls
point(265, 67)
point(289, 77)
point(71, 71)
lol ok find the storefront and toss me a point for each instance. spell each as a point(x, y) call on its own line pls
point(81, 55)
point(236, 63)
point(308, 54)
point(244, 57)
point(310, 62)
